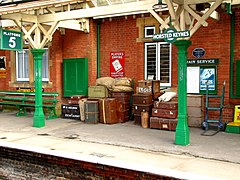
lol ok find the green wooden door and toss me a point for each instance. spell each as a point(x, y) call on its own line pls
point(75, 77)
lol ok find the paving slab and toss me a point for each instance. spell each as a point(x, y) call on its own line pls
point(128, 146)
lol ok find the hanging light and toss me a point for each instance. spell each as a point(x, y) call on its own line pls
point(159, 5)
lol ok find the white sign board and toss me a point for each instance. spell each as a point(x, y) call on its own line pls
point(193, 79)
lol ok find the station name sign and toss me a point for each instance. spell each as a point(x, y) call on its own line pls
point(170, 35)
point(202, 61)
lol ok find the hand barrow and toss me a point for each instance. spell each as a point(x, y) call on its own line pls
point(217, 123)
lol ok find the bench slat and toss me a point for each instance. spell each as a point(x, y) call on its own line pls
point(25, 99)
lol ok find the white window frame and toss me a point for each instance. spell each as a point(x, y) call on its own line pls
point(46, 79)
point(24, 67)
point(146, 28)
point(158, 64)
point(26, 79)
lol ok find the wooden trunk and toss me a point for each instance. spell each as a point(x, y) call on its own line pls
point(165, 105)
point(123, 116)
point(108, 113)
point(138, 108)
point(122, 96)
point(163, 123)
point(164, 113)
point(142, 98)
point(91, 112)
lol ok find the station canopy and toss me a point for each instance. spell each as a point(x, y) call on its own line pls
point(44, 17)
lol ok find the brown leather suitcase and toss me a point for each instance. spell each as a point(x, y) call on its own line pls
point(165, 105)
point(108, 111)
point(77, 97)
point(122, 96)
point(154, 123)
point(164, 113)
point(137, 119)
point(123, 116)
point(72, 101)
point(173, 124)
point(122, 106)
point(138, 108)
point(155, 86)
point(142, 98)
point(144, 83)
point(168, 124)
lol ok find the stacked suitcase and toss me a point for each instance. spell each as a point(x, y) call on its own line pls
point(164, 115)
point(71, 109)
point(123, 105)
point(108, 113)
point(142, 100)
point(91, 112)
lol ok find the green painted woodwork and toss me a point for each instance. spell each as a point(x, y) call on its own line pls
point(27, 99)
point(38, 118)
point(238, 77)
point(182, 130)
point(75, 77)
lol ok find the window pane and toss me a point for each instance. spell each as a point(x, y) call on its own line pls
point(158, 62)
point(150, 64)
point(45, 66)
point(22, 65)
point(164, 63)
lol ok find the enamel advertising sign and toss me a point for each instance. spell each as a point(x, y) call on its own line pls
point(117, 60)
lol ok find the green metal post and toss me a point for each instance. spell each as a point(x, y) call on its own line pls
point(38, 119)
point(182, 130)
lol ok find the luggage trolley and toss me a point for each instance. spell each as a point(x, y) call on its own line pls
point(217, 107)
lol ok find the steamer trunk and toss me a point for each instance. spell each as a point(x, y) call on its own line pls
point(164, 113)
point(165, 105)
point(142, 98)
point(138, 108)
point(108, 113)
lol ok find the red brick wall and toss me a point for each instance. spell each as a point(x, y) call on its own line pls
point(19, 164)
point(4, 81)
point(77, 44)
point(120, 34)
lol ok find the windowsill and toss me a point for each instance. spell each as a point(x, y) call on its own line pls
point(29, 85)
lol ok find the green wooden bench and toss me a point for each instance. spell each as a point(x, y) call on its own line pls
point(22, 100)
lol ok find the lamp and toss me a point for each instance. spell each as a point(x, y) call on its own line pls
point(159, 5)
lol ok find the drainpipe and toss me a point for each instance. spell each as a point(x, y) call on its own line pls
point(232, 32)
point(98, 48)
point(232, 36)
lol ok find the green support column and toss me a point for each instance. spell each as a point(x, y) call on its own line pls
point(38, 119)
point(182, 130)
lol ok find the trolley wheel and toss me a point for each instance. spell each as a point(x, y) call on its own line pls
point(204, 125)
point(222, 126)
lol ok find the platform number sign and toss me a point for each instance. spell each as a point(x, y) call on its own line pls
point(10, 40)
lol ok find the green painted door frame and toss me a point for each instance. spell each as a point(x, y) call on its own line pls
point(75, 77)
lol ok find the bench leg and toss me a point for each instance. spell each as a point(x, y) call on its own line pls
point(52, 114)
point(22, 111)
